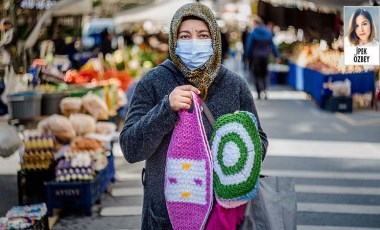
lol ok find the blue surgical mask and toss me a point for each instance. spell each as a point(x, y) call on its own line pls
point(194, 53)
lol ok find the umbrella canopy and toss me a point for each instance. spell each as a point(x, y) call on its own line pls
point(157, 12)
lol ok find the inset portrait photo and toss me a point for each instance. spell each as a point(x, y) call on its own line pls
point(361, 35)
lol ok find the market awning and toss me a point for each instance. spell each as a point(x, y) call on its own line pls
point(331, 4)
point(62, 8)
point(160, 12)
point(340, 3)
point(69, 7)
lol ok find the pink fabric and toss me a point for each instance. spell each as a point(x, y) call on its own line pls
point(225, 219)
point(188, 173)
point(230, 203)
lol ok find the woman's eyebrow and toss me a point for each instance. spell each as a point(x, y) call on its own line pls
point(184, 31)
point(202, 31)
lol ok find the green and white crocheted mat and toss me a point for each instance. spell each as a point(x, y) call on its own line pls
point(237, 154)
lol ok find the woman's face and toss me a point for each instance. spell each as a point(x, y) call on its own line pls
point(193, 29)
point(362, 28)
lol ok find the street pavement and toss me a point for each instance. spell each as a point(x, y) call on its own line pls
point(333, 157)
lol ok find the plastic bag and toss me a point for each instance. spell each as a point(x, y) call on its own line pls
point(95, 106)
point(105, 128)
point(13, 84)
point(82, 123)
point(70, 105)
point(58, 125)
point(274, 207)
point(9, 140)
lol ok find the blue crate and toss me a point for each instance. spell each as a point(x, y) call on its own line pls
point(83, 194)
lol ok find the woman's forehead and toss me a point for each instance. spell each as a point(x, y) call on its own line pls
point(193, 24)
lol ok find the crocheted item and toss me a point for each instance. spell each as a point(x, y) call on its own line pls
point(188, 172)
point(240, 201)
point(237, 153)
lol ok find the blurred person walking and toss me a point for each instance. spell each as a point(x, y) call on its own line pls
point(8, 45)
point(10, 58)
point(259, 46)
point(194, 67)
point(105, 42)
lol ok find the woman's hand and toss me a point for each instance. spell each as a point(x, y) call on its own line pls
point(181, 97)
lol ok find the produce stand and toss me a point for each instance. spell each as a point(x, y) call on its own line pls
point(311, 82)
point(79, 194)
point(79, 110)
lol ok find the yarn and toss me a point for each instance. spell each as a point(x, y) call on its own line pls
point(236, 152)
point(239, 201)
point(188, 172)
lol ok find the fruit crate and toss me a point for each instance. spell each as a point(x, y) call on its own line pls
point(78, 195)
point(30, 185)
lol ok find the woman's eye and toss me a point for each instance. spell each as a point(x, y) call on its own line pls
point(204, 36)
point(184, 37)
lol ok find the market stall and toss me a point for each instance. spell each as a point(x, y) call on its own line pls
point(319, 71)
point(312, 81)
point(68, 120)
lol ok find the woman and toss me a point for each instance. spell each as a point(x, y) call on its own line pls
point(361, 29)
point(194, 66)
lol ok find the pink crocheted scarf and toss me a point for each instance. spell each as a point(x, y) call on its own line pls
point(188, 172)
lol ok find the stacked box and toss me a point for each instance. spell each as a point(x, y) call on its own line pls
point(339, 104)
point(31, 188)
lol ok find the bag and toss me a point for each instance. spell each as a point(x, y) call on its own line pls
point(188, 172)
point(274, 207)
point(6, 57)
point(10, 141)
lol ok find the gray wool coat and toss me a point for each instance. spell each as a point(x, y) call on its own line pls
point(150, 122)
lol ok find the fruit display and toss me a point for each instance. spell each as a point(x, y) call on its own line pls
point(324, 59)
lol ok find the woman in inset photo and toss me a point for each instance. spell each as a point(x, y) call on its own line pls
point(361, 29)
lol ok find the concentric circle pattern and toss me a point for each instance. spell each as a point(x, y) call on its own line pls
point(237, 153)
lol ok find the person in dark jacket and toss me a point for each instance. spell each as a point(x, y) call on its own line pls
point(258, 49)
point(106, 43)
point(194, 66)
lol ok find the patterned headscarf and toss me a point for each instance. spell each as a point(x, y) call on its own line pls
point(205, 75)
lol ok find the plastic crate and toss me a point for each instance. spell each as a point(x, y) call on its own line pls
point(31, 187)
point(24, 105)
point(81, 195)
point(339, 104)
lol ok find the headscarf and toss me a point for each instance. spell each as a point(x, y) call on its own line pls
point(202, 77)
